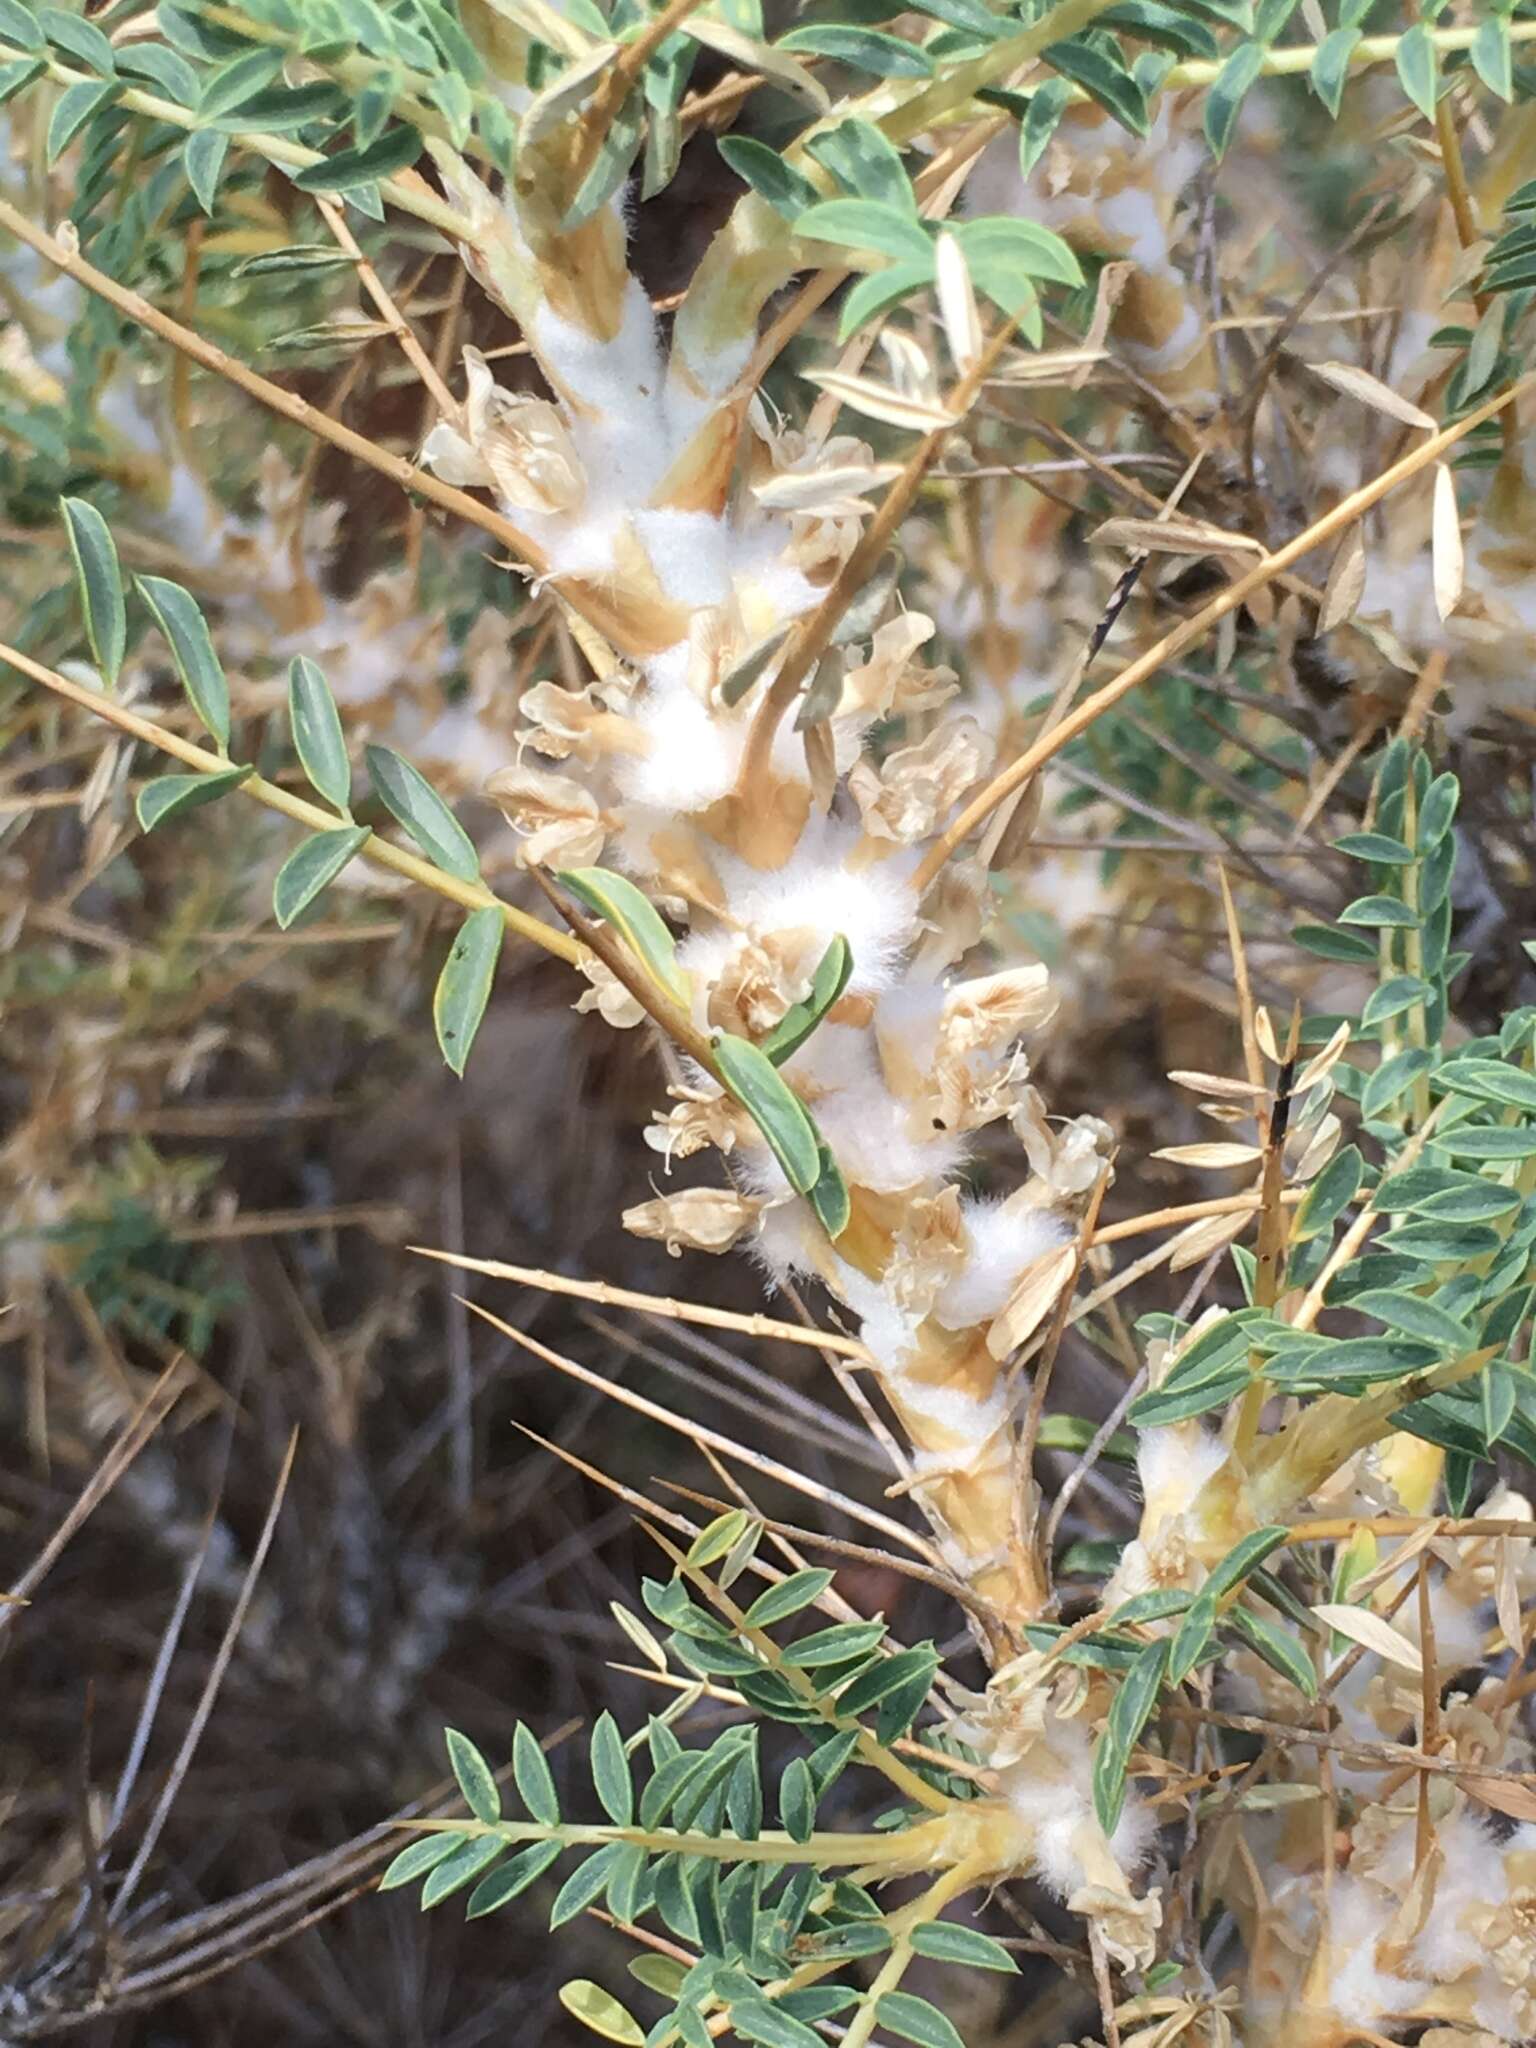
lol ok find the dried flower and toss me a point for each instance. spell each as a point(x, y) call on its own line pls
point(698, 1219)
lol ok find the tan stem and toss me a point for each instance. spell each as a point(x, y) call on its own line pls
point(273, 396)
point(1183, 636)
point(382, 852)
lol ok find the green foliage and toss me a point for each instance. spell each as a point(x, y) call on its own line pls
point(317, 736)
point(176, 613)
point(100, 585)
point(616, 900)
point(464, 986)
point(414, 803)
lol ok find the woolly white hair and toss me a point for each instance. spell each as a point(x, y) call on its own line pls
point(1054, 1794)
point(1174, 1466)
point(1359, 1915)
point(1002, 1238)
point(692, 554)
point(690, 402)
point(818, 890)
point(694, 754)
point(871, 1133)
point(1473, 1873)
point(609, 376)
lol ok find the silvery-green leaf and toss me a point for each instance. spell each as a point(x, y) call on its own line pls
point(773, 1106)
point(311, 868)
point(1491, 56)
point(1133, 1703)
point(100, 585)
point(801, 1019)
point(317, 734)
point(177, 614)
point(203, 160)
point(417, 1858)
point(464, 986)
point(512, 1879)
point(1418, 68)
point(411, 799)
point(476, 1779)
point(771, 178)
point(19, 25)
point(351, 169)
point(868, 49)
point(635, 918)
point(72, 109)
point(1227, 92)
point(169, 795)
point(535, 1781)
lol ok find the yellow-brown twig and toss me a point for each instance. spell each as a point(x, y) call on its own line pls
point(383, 852)
point(1191, 630)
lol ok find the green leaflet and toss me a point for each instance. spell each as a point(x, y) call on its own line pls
point(797, 1800)
point(635, 918)
point(354, 167)
point(717, 1538)
point(914, 2019)
point(610, 1771)
point(1246, 1556)
point(78, 38)
point(870, 49)
point(1047, 104)
point(1133, 1703)
point(1103, 79)
point(1331, 1193)
point(868, 224)
point(169, 795)
point(512, 1879)
point(584, 1884)
point(317, 736)
point(998, 247)
point(410, 798)
point(99, 582)
point(177, 614)
point(754, 2019)
point(461, 1868)
point(764, 169)
point(72, 109)
point(779, 1602)
point(865, 163)
point(312, 867)
point(600, 2012)
point(801, 1019)
point(1418, 68)
point(1491, 57)
point(1415, 1316)
point(944, 1941)
point(773, 1106)
point(535, 1782)
point(20, 26)
point(1157, 1409)
point(203, 161)
point(1332, 66)
point(464, 986)
point(882, 289)
point(1282, 1652)
point(476, 1779)
point(417, 1858)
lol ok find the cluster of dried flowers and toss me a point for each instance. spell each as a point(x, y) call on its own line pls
point(772, 749)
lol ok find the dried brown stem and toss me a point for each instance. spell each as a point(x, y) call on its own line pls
point(1189, 631)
